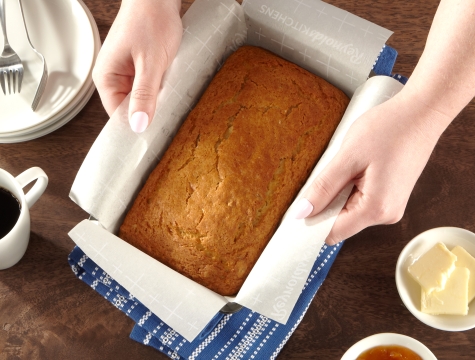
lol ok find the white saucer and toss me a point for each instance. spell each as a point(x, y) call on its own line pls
point(53, 126)
point(410, 291)
point(63, 32)
point(388, 339)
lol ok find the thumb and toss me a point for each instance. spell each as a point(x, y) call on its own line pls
point(333, 178)
point(143, 97)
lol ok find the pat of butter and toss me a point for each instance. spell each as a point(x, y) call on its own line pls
point(464, 259)
point(433, 268)
point(453, 300)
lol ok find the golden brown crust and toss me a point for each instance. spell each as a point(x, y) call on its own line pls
point(216, 197)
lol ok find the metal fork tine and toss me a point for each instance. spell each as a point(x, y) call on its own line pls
point(20, 79)
point(9, 80)
point(17, 80)
point(2, 81)
point(14, 78)
point(12, 81)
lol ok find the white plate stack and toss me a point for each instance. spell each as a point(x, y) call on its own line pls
point(65, 32)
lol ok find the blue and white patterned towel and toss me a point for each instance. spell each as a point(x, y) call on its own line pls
point(243, 335)
point(385, 62)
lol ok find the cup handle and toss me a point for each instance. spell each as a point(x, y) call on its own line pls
point(37, 190)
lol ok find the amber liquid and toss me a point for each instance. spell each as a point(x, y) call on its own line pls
point(389, 352)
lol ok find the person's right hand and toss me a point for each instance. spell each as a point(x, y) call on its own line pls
point(141, 44)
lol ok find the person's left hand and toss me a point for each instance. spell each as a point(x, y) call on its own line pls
point(383, 154)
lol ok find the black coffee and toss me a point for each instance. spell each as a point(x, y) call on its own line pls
point(9, 211)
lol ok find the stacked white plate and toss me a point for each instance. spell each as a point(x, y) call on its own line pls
point(65, 32)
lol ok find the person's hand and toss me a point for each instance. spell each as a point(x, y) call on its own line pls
point(141, 44)
point(383, 153)
point(386, 149)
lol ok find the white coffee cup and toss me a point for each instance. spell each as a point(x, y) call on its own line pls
point(13, 245)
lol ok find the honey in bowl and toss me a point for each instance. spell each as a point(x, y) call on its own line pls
point(389, 352)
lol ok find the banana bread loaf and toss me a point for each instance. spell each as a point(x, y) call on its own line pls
point(213, 202)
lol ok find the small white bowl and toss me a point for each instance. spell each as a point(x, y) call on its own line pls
point(388, 339)
point(410, 291)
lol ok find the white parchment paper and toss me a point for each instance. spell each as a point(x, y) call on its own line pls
point(119, 161)
point(330, 42)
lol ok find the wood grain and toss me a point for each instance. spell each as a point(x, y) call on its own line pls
point(46, 313)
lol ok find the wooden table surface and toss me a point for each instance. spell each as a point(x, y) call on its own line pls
point(46, 313)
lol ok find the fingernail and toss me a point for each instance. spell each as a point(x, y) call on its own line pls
point(138, 121)
point(303, 209)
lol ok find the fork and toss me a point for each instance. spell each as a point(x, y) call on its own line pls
point(44, 77)
point(11, 67)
